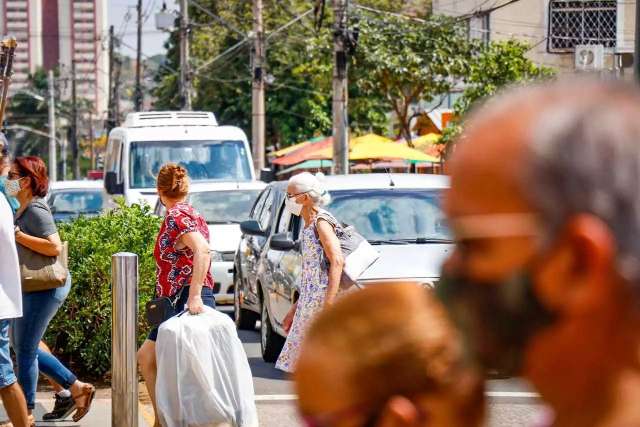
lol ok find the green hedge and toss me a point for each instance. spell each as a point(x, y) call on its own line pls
point(80, 334)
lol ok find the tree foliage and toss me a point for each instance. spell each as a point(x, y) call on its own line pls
point(398, 61)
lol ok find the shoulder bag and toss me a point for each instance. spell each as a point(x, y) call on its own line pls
point(358, 253)
point(42, 272)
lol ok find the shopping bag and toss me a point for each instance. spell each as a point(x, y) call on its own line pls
point(204, 379)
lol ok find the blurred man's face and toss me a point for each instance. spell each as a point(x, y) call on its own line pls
point(518, 294)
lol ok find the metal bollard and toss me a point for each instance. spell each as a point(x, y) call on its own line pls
point(124, 332)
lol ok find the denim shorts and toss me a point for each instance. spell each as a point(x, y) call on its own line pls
point(207, 298)
point(7, 376)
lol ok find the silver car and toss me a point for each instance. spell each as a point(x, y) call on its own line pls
point(398, 213)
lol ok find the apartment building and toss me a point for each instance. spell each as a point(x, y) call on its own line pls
point(568, 35)
point(70, 34)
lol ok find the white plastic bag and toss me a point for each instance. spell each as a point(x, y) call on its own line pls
point(204, 379)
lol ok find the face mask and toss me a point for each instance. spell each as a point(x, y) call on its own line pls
point(12, 187)
point(497, 320)
point(293, 207)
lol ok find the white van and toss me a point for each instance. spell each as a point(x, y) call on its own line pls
point(193, 139)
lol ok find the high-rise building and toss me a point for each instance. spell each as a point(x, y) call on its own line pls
point(61, 33)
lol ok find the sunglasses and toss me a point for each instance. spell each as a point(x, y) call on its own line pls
point(14, 175)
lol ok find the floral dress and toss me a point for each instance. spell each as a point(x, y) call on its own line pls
point(313, 289)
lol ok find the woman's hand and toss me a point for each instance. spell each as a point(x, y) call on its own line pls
point(287, 322)
point(195, 304)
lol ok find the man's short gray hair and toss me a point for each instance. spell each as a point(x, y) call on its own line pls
point(585, 158)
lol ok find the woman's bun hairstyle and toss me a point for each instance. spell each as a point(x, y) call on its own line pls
point(173, 181)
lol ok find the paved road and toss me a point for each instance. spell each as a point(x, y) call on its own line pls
point(511, 402)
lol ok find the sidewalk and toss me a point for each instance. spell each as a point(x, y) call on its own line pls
point(100, 415)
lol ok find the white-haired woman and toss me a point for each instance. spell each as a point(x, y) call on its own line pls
point(322, 262)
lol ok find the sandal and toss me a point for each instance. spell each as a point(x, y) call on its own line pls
point(88, 392)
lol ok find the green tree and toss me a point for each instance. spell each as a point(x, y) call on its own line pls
point(493, 67)
point(400, 62)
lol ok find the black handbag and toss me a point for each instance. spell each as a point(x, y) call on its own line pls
point(161, 309)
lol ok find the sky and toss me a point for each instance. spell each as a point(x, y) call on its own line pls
point(152, 39)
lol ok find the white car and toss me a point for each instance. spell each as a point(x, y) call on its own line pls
point(224, 205)
point(70, 199)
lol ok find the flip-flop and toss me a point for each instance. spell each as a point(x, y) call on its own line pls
point(90, 392)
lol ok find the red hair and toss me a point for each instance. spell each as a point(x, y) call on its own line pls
point(34, 168)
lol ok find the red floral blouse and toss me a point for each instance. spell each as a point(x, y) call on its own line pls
point(175, 266)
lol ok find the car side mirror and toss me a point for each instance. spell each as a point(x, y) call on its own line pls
point(111, 184)
point(267, 175)
point(283, 242)
point(252, 227)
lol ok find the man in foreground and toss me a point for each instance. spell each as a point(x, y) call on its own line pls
point(545, 279)
point(10, 307)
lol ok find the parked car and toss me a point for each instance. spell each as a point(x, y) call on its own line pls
point(398, 213)
point(70, 199)
point(223, 205)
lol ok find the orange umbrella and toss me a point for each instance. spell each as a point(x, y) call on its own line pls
point(304, 153)
point(327, 153)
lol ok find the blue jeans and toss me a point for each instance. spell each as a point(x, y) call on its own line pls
point(38, 309)
point(7, 376)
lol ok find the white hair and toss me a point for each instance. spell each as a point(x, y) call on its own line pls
point(312, 185)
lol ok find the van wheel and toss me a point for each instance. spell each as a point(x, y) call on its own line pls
point(270, 342)
point(245, 319)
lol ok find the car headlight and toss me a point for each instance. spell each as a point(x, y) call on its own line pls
point(215, 256)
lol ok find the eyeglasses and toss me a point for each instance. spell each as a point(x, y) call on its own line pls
point(291, 196)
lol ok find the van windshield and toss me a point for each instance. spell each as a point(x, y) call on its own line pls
point(204, 160)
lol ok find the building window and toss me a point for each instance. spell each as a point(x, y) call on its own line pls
point(479, 27)
point(577, 22)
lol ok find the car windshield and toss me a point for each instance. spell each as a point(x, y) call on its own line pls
point(204, 160)
point(76, 201)
point(392, 215)
point(224, 207)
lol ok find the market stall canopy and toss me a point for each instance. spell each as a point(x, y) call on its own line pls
point(303, 153)
point(388, 150)
point(309, 164)
point(297, 146)
point(327, 153)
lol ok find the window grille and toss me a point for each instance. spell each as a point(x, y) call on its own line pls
point(577, 22)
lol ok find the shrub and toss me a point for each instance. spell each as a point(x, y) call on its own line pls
point(81, 331)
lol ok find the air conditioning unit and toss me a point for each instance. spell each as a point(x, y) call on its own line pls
point(589, 57)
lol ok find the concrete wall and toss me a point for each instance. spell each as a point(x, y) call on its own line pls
point(527, 20)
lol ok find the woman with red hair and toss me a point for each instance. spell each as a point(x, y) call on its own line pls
point(36, 231)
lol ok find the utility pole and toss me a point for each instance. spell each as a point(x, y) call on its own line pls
point(340, 89)
point(53, 161)
point(116, 91)
point(636, 52)
point(75, 149)
point(138, 93)
point(111, 121)
point(185, 77)
point(257, 92)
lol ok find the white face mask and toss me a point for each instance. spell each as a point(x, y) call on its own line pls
point(12, 186)
point(293, 207)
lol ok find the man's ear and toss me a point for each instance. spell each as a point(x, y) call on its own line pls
point(573, 277)
point(399, 412)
